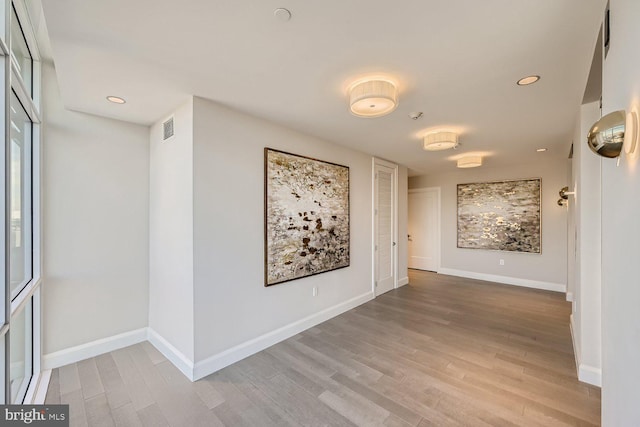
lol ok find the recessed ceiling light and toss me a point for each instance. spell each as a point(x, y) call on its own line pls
point(282, 14)
point(528, 80)
point(541, 150)
point(116, 99)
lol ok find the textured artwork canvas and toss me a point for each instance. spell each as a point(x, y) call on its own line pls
point(502, 215)
point(306, 216)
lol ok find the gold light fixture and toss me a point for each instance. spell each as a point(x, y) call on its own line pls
point(373, 98)
point(630, 144)
point(607, 135)
point(470, 162)
point(440, 141)
point(564, 194)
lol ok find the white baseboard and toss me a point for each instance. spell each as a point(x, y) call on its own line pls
point(403, 281)
point(590, 375)
point(586, 374)
point(570, 296)
point(218, 361)
point(576, 348)
point(206, 366)
point(174, 355)
point(93, 348)
point(535, 284)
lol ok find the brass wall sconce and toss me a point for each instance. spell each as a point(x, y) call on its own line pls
point(564, 196)
point(565, 193)
point(606, 137)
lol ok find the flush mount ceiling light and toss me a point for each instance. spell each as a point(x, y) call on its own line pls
point(373, 98)
point(541, 150)
point(116, 99)
point(470, 162)
point(529, 80)
point(440, 141)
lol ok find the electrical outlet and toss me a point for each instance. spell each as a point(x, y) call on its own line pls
point(315, 291)
point(501, 262)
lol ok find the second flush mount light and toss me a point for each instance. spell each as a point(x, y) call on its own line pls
point(470, 162)
point(440, 141)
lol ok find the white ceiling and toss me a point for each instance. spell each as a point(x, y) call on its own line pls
point(455, 60)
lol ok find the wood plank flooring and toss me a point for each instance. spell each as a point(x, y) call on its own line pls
point(442, 351)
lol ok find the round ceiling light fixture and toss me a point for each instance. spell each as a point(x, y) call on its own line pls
point(529, 80)
point(440, 141)
point(541, 150)
point(373, 98)
point(470, 162)
point(282, 14)
point(116, 99)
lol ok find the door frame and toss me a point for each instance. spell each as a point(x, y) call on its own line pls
point(374, 237)
point(438, 192)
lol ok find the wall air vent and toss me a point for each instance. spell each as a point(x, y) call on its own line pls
point(167, 129)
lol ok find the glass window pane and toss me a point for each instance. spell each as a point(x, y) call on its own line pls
point(20, 52)
point(20, 198)
point(21, 350)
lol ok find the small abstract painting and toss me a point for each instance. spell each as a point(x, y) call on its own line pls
point(306, 216)
point(503, 216)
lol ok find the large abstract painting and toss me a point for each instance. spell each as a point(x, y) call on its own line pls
point(306, 216)
point(502, 215)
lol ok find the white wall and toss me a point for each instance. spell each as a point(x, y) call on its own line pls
point(621, 231)
point(586, 316)
point(171, 228)
point(232, 306)
point(403, 243)
point(95, 230)
point(547, 270)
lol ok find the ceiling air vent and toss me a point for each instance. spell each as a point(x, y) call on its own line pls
point(167, 129)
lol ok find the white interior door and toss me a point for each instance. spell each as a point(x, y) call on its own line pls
point(384, 233)
point(424, 229)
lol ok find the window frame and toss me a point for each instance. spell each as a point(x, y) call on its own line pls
point(30, 293)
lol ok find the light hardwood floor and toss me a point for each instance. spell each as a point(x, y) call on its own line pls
point(441, 351)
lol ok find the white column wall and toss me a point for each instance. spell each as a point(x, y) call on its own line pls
point(621, 230)
point(586, 317)
point(171, 296)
